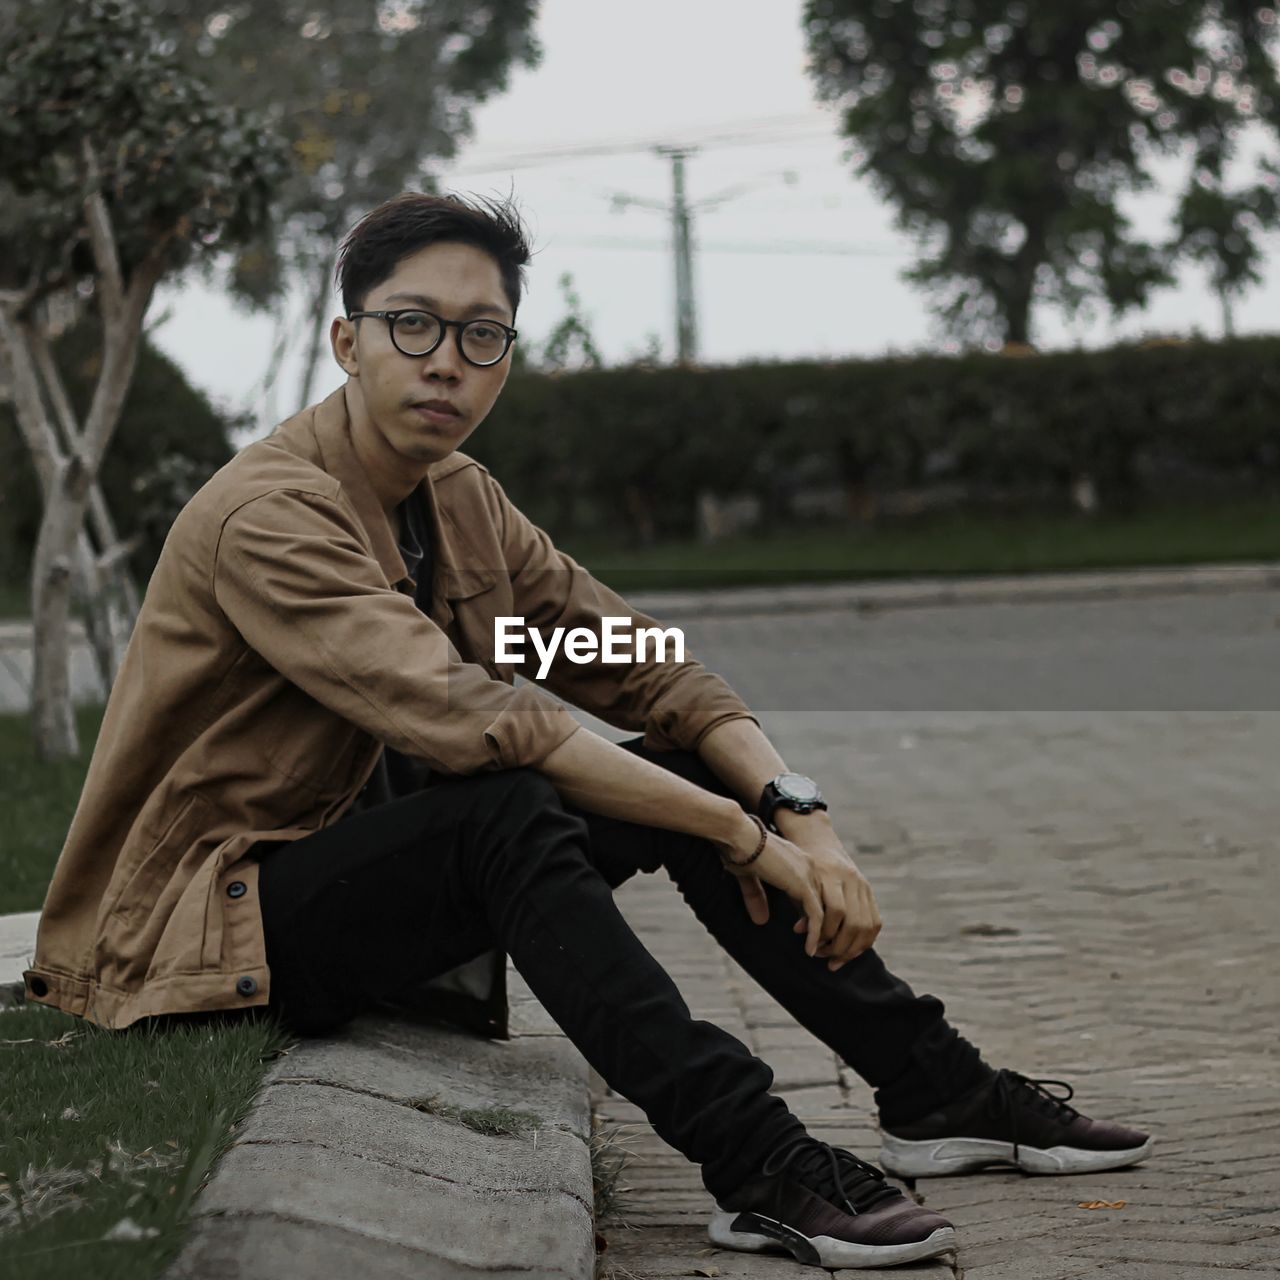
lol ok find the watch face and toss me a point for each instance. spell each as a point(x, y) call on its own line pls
point(795, 786)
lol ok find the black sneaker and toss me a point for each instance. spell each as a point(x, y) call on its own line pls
point(1010, 1119)
point(827, 1208)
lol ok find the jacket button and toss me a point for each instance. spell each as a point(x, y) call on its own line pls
point(246, 986)
point(39, 987)
point(236, 889)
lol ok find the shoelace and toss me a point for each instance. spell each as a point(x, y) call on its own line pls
point(823, 1168)
point(1010, 1088)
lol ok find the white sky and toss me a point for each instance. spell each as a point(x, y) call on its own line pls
point(687, 70)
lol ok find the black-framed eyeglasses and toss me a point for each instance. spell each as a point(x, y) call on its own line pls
point(415, 332)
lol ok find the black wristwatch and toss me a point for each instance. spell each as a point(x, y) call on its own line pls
point(792, 791)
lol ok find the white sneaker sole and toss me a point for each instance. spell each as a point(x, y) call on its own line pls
point(822, 1251)
point(935, 1157)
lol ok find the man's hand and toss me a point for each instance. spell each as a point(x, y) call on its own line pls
point(836, 905)
point(861, 924)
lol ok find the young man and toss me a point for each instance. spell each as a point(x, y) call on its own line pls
point(317, 790)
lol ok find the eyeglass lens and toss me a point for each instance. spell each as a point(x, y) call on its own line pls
point(417, 332)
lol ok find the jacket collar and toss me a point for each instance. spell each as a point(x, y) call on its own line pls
point(338, 457)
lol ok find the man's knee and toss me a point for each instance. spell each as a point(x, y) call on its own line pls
point(512, 790)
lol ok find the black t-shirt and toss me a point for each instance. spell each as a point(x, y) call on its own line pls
point(397, 774)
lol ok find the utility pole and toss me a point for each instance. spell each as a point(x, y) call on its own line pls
point(681, 223)
point(681, 212)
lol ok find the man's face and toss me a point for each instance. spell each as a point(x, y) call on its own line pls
point(457, 282)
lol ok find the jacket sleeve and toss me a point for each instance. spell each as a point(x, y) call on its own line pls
point(676, 704)
point(293, 576)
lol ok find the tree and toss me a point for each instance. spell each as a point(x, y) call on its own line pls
point(368, 93)
point(570, 345)
point(1005, 133)
point(170, 440)
point(1222, 227)
point(117, 167)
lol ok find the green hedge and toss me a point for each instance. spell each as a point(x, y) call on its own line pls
point(628, 450)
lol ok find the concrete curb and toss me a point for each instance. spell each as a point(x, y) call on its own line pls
point(370, 1152)
point(17, 949)
point(916, 593)
point(905, 593)
point(360, 1157)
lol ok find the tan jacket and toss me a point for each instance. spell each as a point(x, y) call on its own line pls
point(277, 649)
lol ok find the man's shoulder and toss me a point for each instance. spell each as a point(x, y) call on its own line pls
point(261, 468)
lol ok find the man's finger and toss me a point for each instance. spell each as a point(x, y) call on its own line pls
point(753, 895)
point(813, 909)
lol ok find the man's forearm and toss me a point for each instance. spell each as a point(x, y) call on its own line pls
point(740, 755)
point(596, 775)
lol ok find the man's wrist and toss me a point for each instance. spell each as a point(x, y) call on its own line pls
point(728, 823)
point(795, 826)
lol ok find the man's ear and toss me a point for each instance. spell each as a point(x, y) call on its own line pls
point(342, 338)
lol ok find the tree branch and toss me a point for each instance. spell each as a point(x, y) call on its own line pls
point(121, 336)
point(28, 403)
point(101, 237)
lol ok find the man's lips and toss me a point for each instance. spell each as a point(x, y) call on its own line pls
point(437, 406)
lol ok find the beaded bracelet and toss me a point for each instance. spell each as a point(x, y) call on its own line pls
point(764, 835)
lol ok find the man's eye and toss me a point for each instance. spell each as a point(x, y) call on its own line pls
point(485, 332)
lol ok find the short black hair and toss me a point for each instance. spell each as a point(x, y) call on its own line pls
point(374, 247)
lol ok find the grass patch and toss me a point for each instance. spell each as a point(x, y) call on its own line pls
point(40, 799)
point(105, 1136)
point(950, 543)
point(610, 1156)
point(494, 1121)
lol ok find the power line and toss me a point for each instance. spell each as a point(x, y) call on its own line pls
point(759, 133)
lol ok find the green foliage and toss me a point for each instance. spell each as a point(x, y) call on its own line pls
point(1222, 228)
point(367, 95)
point(624, 453)
point(1006, 133)
point(170, 440)
point(92, 85)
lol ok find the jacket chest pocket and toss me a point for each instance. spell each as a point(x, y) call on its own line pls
point(472, 615)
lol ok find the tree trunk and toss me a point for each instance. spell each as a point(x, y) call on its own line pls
point(104, 588)
point(1228, 312)
point(1016, 297)
point(1017, 312)
point(52, 714)
point(69, 474)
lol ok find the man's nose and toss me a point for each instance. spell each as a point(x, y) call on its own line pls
point(445, 361)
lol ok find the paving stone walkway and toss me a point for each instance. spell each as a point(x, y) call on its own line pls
point(1094, 895)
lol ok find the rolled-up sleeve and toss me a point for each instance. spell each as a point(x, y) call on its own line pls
point(294, 578)
point(676, 704)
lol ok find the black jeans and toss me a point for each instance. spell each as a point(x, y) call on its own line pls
point(409, 889)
